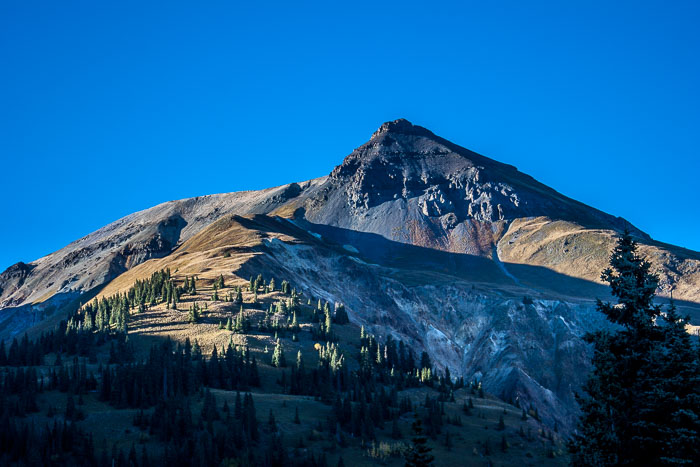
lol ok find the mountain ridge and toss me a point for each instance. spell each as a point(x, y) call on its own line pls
point(491, 272)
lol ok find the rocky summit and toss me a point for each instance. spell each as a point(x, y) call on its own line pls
point(492, 273)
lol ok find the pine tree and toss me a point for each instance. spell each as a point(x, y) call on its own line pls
point(278, 359)
point(295, 323)
point(418, 454)
point(327, 329)
point(642, 396)
point(250, 421)
point(341, 316)
point(501, 423)
point(194, 313)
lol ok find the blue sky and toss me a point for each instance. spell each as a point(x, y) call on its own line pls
point(109, 109)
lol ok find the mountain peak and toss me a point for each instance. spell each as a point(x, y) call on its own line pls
point(401, 127)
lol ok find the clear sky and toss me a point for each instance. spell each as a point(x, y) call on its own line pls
point(110, 109)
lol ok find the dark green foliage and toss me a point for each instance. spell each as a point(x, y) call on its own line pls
point(163, 387)
point(278, 358)
point(433, 418)
point(176, 372)
point(341, 316)
point(286, 288)
point(501, 423)
point(241, 324)
point(418, 454)
point(643, 396)
point(24, 443)
point(194, 314)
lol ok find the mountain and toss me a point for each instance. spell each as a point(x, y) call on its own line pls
point(491, 272)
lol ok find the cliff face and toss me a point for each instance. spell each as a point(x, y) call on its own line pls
point(418, 237)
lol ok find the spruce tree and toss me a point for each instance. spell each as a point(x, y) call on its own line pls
point(418, 454)
point(341, 316)
point(278, 359)
point(643, 395)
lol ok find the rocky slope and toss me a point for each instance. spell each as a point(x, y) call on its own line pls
point(417, 236)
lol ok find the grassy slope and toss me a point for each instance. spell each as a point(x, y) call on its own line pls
point(221, 249)
point(107, 423)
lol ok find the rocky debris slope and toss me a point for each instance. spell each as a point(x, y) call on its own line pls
point(526, 350)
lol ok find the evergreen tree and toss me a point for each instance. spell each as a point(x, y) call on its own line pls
point(250, 422)
point(341, 316)
point(418, 454)
point(278, 359)
point(194, 314)
point(501, 423)
point(643, 395)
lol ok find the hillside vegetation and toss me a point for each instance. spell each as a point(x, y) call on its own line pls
point(189, 370)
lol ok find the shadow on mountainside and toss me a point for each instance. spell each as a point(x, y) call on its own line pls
point(411, 263)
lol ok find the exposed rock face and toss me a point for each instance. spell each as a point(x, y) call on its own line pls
point(532, 352)
point(12, 280)
point(418, 237)
point(411, 186)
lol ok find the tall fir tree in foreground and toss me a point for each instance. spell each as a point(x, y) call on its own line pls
point(643, 396)
point(418, 454)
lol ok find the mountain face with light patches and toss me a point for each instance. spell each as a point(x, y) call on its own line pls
point(491, 272)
